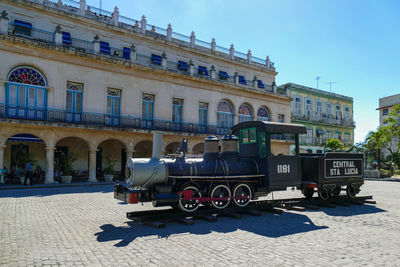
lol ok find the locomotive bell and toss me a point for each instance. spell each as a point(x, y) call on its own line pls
point(145, 172)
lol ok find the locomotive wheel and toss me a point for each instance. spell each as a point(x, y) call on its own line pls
point(242, 190)
point(220, 191)
point(189, 205)
point(323, 194)
point(351, 191)
point(336, 191)
point(308, 192)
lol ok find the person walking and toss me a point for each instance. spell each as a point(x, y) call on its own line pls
point(28, 172)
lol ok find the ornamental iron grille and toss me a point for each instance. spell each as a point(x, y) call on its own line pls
point(74, 102)
point(245, 113)
point(224, 117)
point(26, 95)
point(113, 107)
point(263, 114)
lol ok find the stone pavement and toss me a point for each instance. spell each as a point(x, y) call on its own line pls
point(86, 226)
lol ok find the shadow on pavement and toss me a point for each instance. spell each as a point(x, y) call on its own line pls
point(352, 210)
point(42, 192)
point(268, 225)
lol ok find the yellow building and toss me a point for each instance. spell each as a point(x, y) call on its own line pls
point(326, 115)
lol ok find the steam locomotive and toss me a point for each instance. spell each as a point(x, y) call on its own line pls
point(240, 167)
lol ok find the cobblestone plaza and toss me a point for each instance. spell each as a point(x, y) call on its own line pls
point(86, 226)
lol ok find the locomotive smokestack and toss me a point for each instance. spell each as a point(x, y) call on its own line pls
point(157, 143)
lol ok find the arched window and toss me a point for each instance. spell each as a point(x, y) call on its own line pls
point(263, 114)
point(224, 116)
point(245, 113)
point(26, 94)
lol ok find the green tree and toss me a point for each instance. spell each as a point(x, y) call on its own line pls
point(334, 145)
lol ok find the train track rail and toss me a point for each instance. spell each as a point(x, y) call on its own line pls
point(160, 218)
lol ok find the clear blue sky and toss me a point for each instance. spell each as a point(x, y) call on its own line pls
point(355, 43)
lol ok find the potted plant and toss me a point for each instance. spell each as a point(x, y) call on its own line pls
point(66, 167)
point(23, 157)
point(109, 170)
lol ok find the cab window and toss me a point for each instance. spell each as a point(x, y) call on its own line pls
point(248, 136)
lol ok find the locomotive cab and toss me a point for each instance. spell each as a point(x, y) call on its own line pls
point(269, 143)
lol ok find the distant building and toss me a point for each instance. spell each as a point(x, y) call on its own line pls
point(386, 105)
point(326, 115)
point(79, 80)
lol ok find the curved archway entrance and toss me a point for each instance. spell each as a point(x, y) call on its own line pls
point(19, 150)
point(111, 156)
point(143, 149)
point(171, 148)
point(75, 150)
point(198, 149)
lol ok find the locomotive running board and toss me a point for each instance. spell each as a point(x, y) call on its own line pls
point(160, 218)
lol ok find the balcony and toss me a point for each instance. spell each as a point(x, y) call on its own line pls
point(98, 120)
point(141, 26)
point(87, 47)
point(324, 120)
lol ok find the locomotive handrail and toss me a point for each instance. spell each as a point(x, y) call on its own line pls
point(212, 177)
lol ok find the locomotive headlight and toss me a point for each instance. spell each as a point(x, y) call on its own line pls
point(145, 172)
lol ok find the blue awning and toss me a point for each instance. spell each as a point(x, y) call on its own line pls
point(223, 75)
point(22, 24)
point(203, 71)
point(105, 47)
point(183, 66)
point(156, 59)
point(242, 80)
point(25, 138)
point(126, 52)
point(66, 38)
point(260, 84)
point(320, 132)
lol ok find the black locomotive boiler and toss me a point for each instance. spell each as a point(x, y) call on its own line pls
point(240, 167)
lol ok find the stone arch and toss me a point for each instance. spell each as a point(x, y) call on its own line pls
point(264, 113)
point(111, 151)
point(171, 148)
point(245, 112)
point(21, 147)
point(143, 149)
point(198, 149)
point(78, 148)
point(27, 74)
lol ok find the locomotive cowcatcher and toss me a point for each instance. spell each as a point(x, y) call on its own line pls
point(240, 167)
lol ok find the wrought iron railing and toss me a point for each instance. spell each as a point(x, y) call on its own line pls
point(105, 120)
point(104, 16)
point(325, 120)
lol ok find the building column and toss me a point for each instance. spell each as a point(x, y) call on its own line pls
point(92, 165)
point(49, 165)
point(4, 22)
point(129, 153)
point(2, 156)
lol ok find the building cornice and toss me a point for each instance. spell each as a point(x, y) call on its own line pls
point(138, 36)
point(308, 90)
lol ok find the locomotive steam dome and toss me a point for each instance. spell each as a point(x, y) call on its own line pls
point(229, 144)
point(211, 146)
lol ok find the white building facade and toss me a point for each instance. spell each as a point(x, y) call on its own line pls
point(77, 80)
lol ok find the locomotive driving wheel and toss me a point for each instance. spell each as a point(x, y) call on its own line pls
point(323, 193)
point(220, 191)
point(244, 191)
point(351, 191)
point(189, 205)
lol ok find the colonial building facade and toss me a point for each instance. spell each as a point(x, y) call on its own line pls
point(86, 82)
point(386, 105)
point(326, 115)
